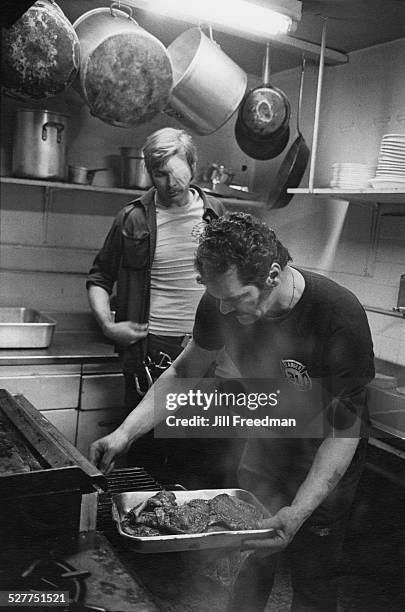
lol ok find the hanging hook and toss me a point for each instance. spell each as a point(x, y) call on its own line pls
point(266, 66)
point(210, 32)
point(124, 8)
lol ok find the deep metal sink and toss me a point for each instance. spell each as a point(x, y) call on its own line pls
point(25, 328)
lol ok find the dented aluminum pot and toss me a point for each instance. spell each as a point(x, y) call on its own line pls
point(125, 72)
point(40, 53)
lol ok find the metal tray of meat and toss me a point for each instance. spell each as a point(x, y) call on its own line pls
point(123, 502)
point(25, 328)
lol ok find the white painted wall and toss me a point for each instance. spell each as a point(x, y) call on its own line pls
point(361, 101)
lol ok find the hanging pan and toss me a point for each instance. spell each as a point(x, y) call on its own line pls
point(262, 148)
point(264, 109)
point(261, 128)
point(294, 164)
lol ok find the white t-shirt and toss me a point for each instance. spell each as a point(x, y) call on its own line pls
point(175, 292)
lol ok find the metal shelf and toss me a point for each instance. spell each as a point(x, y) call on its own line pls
point(54, 185)
point(365, 196)
point(70, 186)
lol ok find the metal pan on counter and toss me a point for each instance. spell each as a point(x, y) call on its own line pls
point(122, 503)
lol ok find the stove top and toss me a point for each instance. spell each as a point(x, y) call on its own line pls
point(94, 577)
point(49, 575)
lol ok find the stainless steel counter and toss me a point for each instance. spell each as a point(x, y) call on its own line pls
point(67, 347)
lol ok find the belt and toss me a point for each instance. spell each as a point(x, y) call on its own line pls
point(178, 340)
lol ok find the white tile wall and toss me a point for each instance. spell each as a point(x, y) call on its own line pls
point(44, 291)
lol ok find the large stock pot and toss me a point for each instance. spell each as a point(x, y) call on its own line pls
point(40, 53)
point(207, 84)
point(125, 73)
point(39, 148)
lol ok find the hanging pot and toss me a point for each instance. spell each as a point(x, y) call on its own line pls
point(261, 149)
point(294, 164)
point(207, 85)
point(39, 148)
point(125, 72)
point(40, 53)
point(265, 109)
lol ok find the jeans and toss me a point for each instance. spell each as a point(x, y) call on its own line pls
point(313, 558)
point(313, 555)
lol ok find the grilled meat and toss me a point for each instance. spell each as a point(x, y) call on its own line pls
point(233, 513)
point(162, 515)
point(140, 531)
point(187, 518)
point(201, 504)
point(145, 518)
point(165, 499)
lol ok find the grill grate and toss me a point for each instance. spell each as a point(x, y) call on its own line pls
point(119, 481)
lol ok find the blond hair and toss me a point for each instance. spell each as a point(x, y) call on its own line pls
point(164, 143)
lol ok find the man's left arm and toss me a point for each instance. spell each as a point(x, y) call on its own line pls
point(329, 465)
point(350, 362)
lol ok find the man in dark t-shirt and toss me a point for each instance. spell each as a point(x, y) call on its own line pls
point(322, 337)
point(272, 320)
point(261, 318)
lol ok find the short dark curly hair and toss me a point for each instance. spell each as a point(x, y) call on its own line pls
point(239, 240)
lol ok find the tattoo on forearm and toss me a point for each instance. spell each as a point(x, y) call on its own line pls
point(333, 480)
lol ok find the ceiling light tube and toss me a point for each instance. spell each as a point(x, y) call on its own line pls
point(236, 15)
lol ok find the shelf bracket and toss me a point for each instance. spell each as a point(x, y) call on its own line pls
point(374, 233)
point(315, 134)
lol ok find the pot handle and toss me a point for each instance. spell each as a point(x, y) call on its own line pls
point(59, 127)
point(122, 7)
point(210, 34)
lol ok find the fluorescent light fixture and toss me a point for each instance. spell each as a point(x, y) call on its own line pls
point(238, 15)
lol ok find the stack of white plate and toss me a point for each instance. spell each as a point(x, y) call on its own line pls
point(390, 170)
point(351, 175)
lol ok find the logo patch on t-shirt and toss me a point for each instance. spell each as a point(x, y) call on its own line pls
point(296, 373)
